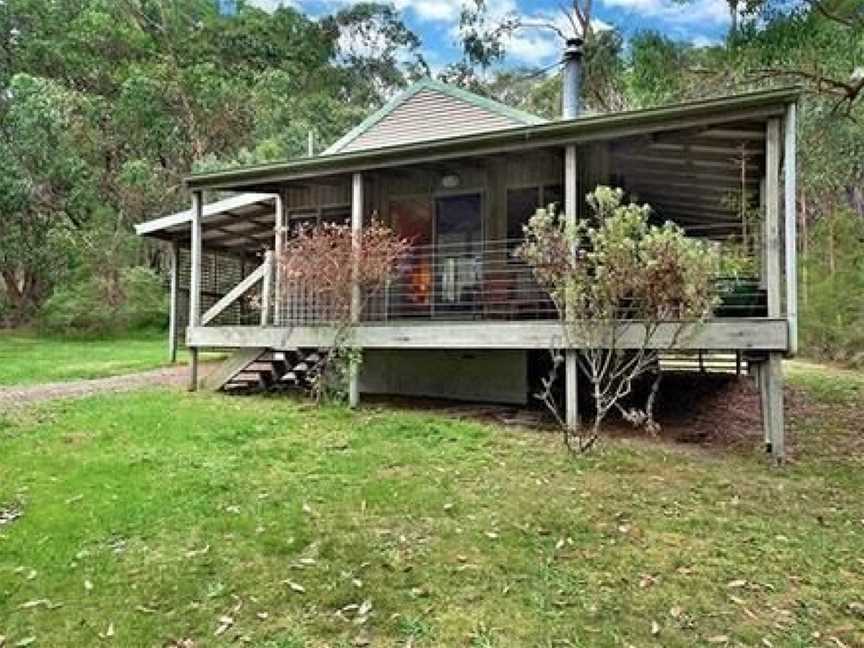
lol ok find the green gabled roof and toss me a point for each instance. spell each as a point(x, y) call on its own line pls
point(520, 117)
point(755, 105)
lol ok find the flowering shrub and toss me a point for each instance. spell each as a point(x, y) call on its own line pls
point(607, 273)
point(328, 263)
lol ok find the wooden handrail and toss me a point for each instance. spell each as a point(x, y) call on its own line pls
point(261, 272)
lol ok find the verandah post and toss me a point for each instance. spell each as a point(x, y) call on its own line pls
point(281, 227)
point(266, 287)
point(356, 232)
point(790, 216)
point(195, 280)
point(772, 371)
point(571, 359)
point(174, 259)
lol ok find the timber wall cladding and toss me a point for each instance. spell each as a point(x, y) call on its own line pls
point(219, 274)
point(429, 115)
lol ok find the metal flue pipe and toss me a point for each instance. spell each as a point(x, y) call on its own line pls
point(571, 96)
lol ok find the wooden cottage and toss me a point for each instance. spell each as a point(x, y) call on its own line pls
point(460, 175)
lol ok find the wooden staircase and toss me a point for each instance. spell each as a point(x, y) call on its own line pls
point(264, 370)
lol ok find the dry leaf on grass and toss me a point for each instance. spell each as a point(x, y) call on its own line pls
point(32, 604)
point(295, 587)
point(225, 622)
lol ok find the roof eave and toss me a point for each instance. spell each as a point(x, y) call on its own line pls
point(759, 104)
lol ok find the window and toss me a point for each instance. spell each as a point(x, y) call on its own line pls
point(522, 203)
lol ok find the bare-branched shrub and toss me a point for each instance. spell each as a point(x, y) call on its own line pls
point(324, 264)
point(617, 281)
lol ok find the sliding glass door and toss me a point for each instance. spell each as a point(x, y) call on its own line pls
point(458, 251)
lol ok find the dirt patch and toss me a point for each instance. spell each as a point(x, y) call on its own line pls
point(11, 397)
point(708, 409)
point(705, 409)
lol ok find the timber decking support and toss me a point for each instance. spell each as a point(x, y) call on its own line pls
point(771, 372)
point(174, 302)
point(193, 369)
point(769, 377)
point(356, 232)
point(195, 280)
point(571, 363)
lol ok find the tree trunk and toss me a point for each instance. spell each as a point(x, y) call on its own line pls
point(733, 15)
point(24, 294)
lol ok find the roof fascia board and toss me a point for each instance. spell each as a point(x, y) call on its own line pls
point(210, 210)
point(553, 134)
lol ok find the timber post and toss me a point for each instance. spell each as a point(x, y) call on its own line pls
point(174, 259)
point(267, 286)
point(571, 359)
point(790, 222)
point(356, 232)
point(281, 228)
point(195, 281)
point(771, 372)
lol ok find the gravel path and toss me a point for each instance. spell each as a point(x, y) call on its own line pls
point(13, 396)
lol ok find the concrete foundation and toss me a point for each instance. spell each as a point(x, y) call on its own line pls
point(480, 376)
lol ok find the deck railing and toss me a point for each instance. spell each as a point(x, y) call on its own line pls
point(472, 281)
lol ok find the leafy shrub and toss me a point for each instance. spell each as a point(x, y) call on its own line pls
point(605, 274)
point(134, 299)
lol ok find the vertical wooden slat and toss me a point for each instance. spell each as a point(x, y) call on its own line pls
point(790, 217)
point(174, 256)
point(571, 364)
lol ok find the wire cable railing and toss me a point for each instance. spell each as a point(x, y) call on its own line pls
point(473, 281)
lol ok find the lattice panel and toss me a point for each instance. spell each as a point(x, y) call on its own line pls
point(219, 274)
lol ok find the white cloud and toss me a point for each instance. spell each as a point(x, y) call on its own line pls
point(704, 41)
point(432, 10)
point(271, 5)
point(715, 12)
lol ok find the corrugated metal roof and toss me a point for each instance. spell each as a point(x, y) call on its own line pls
point(392, 123)
point(582, 129)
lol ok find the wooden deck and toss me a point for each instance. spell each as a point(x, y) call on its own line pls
point(756, 334)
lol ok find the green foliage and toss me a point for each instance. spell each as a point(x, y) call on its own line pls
point(105, 106)
point(603, 277)
point(620, 265)
point(654, 72)
point(90, 305)
point(832, 299)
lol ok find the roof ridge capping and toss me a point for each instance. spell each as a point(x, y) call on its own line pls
point(552, 130)
point(428, 83)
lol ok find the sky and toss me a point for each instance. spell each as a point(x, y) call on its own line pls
point(701, 22)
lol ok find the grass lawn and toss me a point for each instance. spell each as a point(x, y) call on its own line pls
point(28, 359)
point(166, 518)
